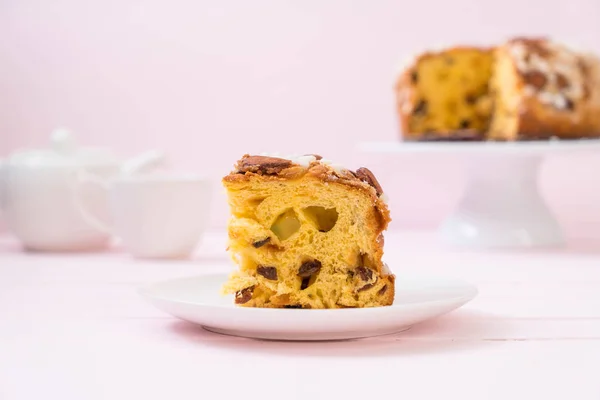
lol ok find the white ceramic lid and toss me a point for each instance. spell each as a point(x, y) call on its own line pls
point(63, 152)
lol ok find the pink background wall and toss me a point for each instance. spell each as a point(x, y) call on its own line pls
point(210, 80)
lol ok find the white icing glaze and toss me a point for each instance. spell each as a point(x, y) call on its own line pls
point(339, 168)
point(517, 51)
point(386, 269)
point(559, 102)
point(546, 97)
point(304, 160)
point(385, 198)
point(555, 99)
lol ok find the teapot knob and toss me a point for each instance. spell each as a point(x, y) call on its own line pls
point(62, 141)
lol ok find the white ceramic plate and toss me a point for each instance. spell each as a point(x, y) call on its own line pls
point(198, 300)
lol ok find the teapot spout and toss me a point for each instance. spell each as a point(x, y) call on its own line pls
point(144, 162)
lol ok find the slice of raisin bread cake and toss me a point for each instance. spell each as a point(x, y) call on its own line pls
point(306, 233)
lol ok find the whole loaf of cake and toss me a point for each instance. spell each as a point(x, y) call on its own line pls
point(524, 89)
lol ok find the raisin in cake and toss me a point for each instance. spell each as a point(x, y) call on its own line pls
point(306, 233)
point(525, 89)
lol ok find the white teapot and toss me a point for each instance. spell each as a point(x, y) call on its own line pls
point(41, 192)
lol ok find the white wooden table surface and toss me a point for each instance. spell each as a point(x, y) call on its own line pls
point(73, 327)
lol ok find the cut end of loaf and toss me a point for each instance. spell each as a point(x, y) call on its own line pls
point(447, 94)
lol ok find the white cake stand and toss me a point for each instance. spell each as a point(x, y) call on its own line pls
point(501, 205)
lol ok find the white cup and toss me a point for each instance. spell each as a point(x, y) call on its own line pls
point(158, 216)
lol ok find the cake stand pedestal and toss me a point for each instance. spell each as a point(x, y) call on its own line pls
point(501, 205)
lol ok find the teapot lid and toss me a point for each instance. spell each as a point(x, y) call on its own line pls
point(63, 152)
